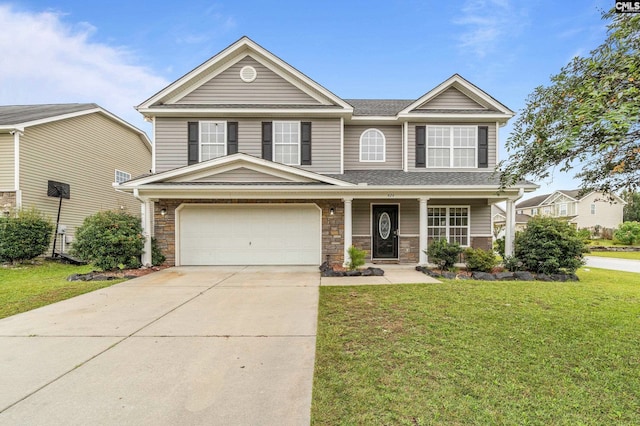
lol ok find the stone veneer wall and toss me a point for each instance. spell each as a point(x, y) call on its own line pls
point(332, 225)
point(7, 201)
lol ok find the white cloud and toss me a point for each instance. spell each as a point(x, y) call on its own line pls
point(484, 22)
point(45, 60)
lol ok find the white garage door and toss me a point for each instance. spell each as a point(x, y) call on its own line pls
point(249, 234)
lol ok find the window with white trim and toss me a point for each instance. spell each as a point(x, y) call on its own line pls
point(593, 209)
point(534, 212)
point(122, 176)
point(213, 139)
point(452, 146)
point(286, 142)
point(449, 223)
point(372, 145)
point(563, 209)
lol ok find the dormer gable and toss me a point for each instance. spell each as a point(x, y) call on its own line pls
point(251, 70)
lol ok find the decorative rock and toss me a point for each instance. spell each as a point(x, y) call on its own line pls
point(504, 276)
point(483, 276)
point(544, 277)
point(377, 272)
point(524, 276)
point(367, 272)
point(353, 273)
point(449, 275)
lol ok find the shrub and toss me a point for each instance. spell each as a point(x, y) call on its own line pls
point(157, 258)
point(512, 263)
point(24, 236)
point(480, 260)
point(443, 253)
point(356, 258)
point(110, 240)
point(549, 246)
point(498, 245)
point(585, 235)
point(628, 233)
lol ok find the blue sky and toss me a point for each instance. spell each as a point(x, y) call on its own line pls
point(119, 53)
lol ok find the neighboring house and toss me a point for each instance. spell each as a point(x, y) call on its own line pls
point(584, 211)
point(255, 163)
point(81, 145)
point(499, 217)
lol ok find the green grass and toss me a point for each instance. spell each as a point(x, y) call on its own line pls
point(27, 287)
point(634, 255)
point(469, 352)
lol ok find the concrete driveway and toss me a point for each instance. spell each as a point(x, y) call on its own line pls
point(628, 265)
point(189, 345)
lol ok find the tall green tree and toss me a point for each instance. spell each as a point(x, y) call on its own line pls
point(631, 211)
point(588, 118)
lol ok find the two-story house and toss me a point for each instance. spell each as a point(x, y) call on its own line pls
point(255, 163)
point(583, 210)
point(81, 146)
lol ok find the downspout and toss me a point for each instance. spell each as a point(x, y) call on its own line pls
point(146, 211)
point(16, 166)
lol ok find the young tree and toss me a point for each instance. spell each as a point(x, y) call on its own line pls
point(589, 115)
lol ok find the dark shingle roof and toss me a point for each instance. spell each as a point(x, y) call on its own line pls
point(536, 201)
point(378, 107)
point(399, 177)
point(246, 106)
point(17, 114)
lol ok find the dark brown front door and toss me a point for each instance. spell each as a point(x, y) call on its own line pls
point(385, 231)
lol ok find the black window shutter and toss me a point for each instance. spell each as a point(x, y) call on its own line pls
point(192, 138)
point(232, 137)
point(483, 147)
point(305, 144)
point(421, 146)
point(267, 145)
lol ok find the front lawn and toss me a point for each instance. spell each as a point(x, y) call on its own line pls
point(469, 352)
point(634, 255)
point(27, 287)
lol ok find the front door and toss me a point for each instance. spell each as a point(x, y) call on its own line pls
point(385, 232)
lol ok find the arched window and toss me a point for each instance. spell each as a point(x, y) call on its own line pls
point(372, 145)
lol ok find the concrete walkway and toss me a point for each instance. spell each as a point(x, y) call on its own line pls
point(183, 346)
point(628, 265)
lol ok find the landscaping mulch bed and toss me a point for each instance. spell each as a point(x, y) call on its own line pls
point(115, 275)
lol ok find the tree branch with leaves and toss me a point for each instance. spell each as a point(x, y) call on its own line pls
point(587, 118)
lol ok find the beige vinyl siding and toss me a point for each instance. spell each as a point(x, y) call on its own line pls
point(480, 213)
point(83, 152)
point(411, 155)
point(451, 98)
point(267, 88)
point(7, 165)
point(608, 215)
point(409, 215)
point(241, 174)
point(171, 142)
point(393, 148)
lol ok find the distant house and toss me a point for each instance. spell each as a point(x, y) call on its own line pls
point(499, 219)
point(81, 145)
point(584, 211)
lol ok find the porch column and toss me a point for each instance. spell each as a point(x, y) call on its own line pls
point(147, 220)
point(423, 259)
point(348, 231)
point(510, 225)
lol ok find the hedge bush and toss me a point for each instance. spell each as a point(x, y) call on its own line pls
point(110, 240)
point(627, 233)
point(157, 258)
point(480, 260)
point(443, 253)
point(549, 246)
point(24, 236)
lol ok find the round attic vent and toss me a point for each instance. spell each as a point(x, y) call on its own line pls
point(248, 74)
